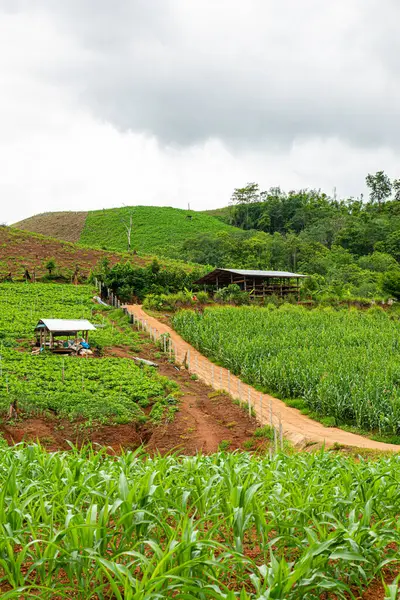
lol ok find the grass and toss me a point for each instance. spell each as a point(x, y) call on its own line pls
point(156, 230)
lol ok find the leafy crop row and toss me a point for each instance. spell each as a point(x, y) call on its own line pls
point(98, 390)
point(345, 364)
point(23, 305)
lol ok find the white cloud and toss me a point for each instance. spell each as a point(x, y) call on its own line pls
point(190, 103)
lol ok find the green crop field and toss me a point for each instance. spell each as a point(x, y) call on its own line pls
point(232, 526)
point(345, 365)
point(96, 389)
point(156, 230)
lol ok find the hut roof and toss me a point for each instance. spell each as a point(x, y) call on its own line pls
point(67, 325)
point(247, 273)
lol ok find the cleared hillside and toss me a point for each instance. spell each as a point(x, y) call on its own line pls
point(20, 250)
point(155, 230)
point(66, 226)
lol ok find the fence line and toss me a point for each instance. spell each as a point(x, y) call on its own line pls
point(105, 292)
point(256, 403)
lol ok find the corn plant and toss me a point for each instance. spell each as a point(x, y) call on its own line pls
point(343, 364)
point(84, 524)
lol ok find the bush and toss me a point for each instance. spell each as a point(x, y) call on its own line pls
point(391, 284)
point(51, 266)
point(128, 281)
point(232, 294)
point(172, 302)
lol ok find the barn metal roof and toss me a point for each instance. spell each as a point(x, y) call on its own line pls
point(262, 273)
point(68, 325)
point(248, 273)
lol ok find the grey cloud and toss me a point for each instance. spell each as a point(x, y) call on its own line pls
point(261, 72)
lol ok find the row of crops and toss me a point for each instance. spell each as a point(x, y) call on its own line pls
point(344, 364)
point(85, 525)
point(97, 390)
point(23, 305)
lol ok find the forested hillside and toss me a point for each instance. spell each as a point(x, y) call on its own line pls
point(348, 245)
point(351, 247)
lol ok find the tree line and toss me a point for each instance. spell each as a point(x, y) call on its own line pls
point(350, 246)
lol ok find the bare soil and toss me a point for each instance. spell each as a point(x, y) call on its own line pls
point(66, 226)
point(204, 420)
point(20, 250)
point(54, 434)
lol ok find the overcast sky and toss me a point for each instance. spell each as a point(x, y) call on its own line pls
point(166, 102)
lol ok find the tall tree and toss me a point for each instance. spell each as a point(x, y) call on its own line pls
point(380, 187)
point(396, 189)
point(247, 194)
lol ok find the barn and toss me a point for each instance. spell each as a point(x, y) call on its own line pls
point(257, 283)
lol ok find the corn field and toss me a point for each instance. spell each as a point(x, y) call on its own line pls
point(343, 364)
point(83, 525)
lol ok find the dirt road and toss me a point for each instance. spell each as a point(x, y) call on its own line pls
point(298, 428)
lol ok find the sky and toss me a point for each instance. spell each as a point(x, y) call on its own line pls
point(177, 102)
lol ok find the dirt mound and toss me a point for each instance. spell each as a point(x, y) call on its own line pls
point(54, 434)
point(65, 226)
point(20, 250)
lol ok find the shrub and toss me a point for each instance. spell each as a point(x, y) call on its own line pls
point(224, 445)
point(232, 294)
point(391, 284)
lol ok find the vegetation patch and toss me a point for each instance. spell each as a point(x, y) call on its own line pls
point(96, 390)
point(155, 230)
point(84, 524)
point(343, 364)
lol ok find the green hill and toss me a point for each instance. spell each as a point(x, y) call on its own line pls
point(222, 214)
point(155, 230)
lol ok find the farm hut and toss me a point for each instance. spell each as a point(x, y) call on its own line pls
point(47, 330)
point(257, 283)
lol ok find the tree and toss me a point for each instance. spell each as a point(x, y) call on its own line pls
point(391, 284)
point(50, 266)
point(380, 187)
point(396, 189)
point(246, 195)
point(380, 262)
point(155, 266)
